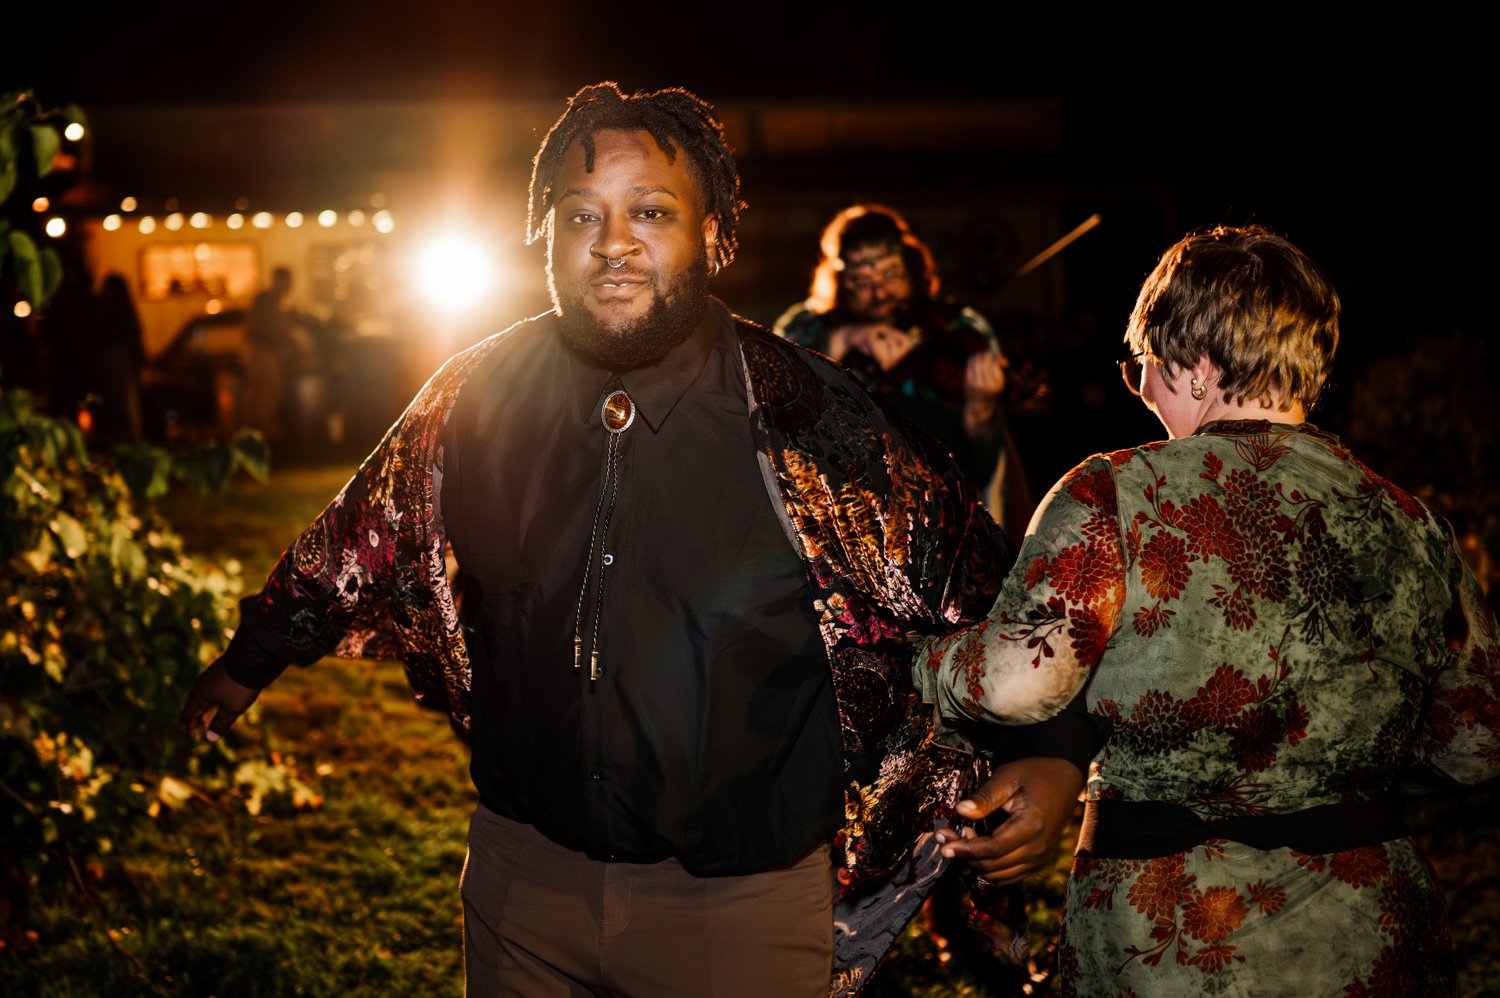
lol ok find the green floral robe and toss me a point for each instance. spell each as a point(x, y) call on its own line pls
point(1269, 626)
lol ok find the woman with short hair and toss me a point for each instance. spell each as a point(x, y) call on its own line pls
point(1277, 637)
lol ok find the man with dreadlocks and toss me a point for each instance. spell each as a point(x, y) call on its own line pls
point(688, 557)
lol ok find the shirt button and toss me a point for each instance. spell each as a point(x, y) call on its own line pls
point(609, 559)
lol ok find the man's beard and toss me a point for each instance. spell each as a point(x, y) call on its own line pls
point(674, 313)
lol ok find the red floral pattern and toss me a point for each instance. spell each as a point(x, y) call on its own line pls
point(1269, 627)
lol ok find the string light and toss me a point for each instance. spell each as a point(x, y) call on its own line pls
point(381, 220)
point(56, 227)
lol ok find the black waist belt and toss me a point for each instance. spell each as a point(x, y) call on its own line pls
point(1127, 829)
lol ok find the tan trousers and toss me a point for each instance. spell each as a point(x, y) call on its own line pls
point(541, 920)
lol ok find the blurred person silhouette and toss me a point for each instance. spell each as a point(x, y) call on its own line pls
point(116, 356)
point(874, 307)
point(280, 354)
point(688, 556)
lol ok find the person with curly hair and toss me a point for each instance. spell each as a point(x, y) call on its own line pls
point(875, 307)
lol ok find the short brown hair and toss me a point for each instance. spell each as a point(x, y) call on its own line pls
point(1254, 303)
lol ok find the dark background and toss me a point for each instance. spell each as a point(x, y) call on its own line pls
point(1359, 140)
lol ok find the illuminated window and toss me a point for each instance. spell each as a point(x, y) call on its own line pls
point(211, 269)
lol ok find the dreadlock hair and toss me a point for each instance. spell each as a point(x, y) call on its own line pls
point(675, 118)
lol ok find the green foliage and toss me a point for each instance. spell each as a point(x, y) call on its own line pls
point(104, 624)
point(150, 471)
point(30, 139)
point(359, 897)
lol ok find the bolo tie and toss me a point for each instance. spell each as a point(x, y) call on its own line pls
point(617, 413)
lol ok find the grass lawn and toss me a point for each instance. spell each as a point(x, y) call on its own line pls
point(360, 894)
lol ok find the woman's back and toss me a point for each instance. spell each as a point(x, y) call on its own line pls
point(1284, 610)
point(1289, 635)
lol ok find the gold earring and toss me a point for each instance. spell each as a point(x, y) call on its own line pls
point(1198, 391)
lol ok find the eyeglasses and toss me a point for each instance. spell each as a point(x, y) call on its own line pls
point(1131, 370)
point(870, 278)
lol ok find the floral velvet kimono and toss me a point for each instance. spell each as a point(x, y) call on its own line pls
point(893, 540)
point(1270, 628)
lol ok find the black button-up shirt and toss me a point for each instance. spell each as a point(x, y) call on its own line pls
point(711, 733)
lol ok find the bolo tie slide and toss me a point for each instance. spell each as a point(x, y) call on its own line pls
point(617, 413)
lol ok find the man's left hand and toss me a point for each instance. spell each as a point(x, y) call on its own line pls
point(1039, 795)
point(984, 375)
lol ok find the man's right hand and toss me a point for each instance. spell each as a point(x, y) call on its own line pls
point(884, 343)
point(215, 702)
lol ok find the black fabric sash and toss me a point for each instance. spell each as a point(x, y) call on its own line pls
point(1118, 829)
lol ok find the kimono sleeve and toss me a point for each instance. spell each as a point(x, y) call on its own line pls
point(1460, 736)
point(1056, 611)
point(329, 580)
point(369, 569)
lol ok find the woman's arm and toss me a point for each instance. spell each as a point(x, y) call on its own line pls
point(1460, 737)
point(1052, 620)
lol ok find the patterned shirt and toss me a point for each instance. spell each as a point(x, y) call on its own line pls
point(1270, 627)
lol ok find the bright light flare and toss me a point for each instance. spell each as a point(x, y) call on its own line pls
point(328, 218)
point(56, 227)
point(383, 221)
point(73, 132)
point(147, 225)
point(22, 309)
point(112, 223)
point(235, 221)
point(454, 272)
point(261, 220)
point(200, 220)
point(294, 219)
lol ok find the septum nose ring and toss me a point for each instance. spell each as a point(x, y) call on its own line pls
point(615, 262)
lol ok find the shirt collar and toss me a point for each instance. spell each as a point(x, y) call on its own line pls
point(656, 389)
